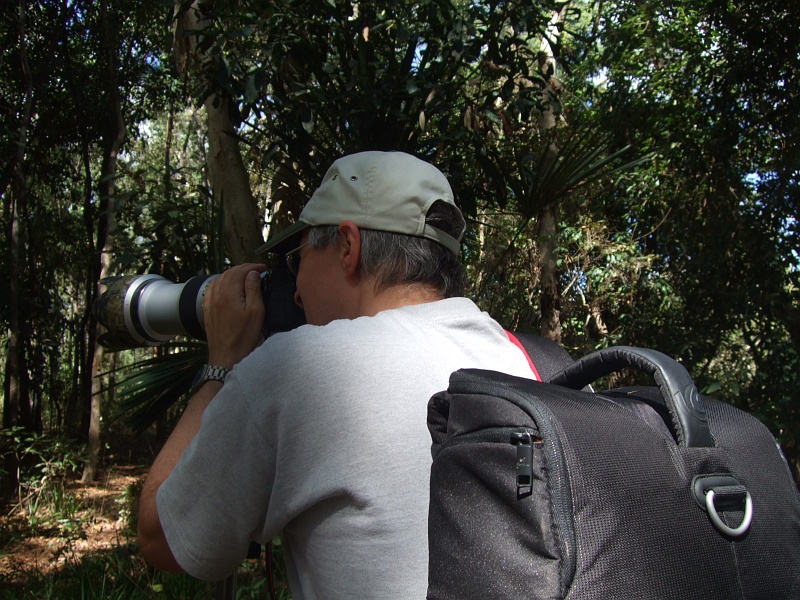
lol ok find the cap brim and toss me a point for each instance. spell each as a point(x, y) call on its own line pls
point(286, 240)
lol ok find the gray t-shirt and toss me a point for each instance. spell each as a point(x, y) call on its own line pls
point(321, 435)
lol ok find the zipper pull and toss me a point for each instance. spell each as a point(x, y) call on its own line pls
point(524, 442)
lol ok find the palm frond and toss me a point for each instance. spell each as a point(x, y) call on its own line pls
point(147, 389)
point(585, 157)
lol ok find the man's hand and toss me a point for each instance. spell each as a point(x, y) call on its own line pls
point(233, 309)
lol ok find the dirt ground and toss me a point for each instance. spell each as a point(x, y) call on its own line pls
point(100, 519)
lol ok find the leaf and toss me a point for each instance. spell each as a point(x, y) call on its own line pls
point(147, 389)
point(493, 116)
point(308, 120)
point(430, 97)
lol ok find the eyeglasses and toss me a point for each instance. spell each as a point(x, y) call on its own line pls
point(293, 259)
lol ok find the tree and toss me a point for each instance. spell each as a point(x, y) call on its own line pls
point(65, 110)
point(114, 139)
point(432, 79)
point(17, 407)
point(712, 90)
point(693, 252)
point(195, 42)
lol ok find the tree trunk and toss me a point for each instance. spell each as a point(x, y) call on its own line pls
point(550, 298)
point(81, 405)
point(104, 245)
point(550, 294)
point(229, 179)
point(16, 404)
point(231, 184)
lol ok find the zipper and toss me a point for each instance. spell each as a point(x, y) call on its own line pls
point(525, 440)
point(554, 461)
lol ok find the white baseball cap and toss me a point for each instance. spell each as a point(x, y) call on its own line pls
point(387, 191)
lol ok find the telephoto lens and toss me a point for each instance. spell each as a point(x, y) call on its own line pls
point(147, 310)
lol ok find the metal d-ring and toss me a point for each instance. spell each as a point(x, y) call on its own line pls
point(746, 520)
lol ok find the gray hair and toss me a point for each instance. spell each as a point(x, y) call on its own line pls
point(398, 259)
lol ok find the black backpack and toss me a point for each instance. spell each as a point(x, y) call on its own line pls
point(541, 490)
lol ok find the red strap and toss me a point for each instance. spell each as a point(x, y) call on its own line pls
point(519, 345)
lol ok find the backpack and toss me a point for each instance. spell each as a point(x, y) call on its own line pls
point(545, 490)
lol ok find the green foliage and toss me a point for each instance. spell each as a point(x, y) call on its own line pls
point(146, 389)
point(122, 574)
point(42, 463)
point(716, 209)
point(116, 575)
point(41, 457)
point(692, 251)
point(119, 575)
point(166, 215)
point(607, 277)
point(499, 258)
point(311, 81)
point(119, 572)
point(56, 117)
point(128, 503)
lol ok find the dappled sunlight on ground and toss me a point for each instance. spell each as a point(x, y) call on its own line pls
point(86, 519)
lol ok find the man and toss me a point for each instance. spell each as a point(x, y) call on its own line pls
point(319, 434)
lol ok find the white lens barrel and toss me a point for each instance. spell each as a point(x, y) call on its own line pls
point(156, 309)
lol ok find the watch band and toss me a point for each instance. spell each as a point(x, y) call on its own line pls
point(209, 373)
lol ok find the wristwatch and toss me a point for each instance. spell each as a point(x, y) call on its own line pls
point(208, 373)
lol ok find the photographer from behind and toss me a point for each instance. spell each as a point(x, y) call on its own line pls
point(319, 434)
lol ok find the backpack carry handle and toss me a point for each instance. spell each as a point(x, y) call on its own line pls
point(673, 380)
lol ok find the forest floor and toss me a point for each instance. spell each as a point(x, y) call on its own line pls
point(56, 526)
point(60, 539)
point(96, 521)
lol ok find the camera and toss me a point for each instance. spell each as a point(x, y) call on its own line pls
point(148, 310)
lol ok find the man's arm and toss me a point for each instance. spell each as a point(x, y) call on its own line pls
point(152, 542)
point(234, 315)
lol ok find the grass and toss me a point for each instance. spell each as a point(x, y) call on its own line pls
point(121, 575)
point(61, 540)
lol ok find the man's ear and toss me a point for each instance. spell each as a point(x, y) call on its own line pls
point(350, 247)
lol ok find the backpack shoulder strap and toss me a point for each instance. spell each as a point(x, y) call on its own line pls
point(545, 357)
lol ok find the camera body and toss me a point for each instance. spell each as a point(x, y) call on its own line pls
point(148, 310)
